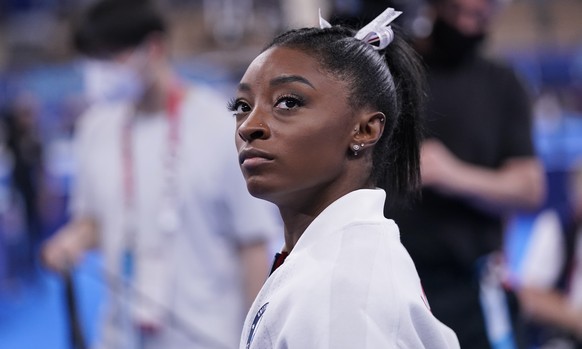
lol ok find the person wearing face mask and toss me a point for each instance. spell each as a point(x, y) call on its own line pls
point(478, 166)
point(115, 81)
point(158, 190)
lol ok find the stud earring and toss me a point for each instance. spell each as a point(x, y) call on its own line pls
point(357, 147)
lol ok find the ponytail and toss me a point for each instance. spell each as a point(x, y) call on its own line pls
point(401, 175)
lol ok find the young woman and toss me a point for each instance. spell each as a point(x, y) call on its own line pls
point(324, 120)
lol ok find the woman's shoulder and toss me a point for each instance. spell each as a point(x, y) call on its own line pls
point(371, 256)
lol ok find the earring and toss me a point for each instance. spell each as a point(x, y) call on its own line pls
point(357, 147)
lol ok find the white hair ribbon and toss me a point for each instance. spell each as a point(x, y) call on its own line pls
point(378, 33)
point(322, 22)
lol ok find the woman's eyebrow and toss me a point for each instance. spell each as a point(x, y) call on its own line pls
point(285, 79)
point(281, 80)
point(244, 87)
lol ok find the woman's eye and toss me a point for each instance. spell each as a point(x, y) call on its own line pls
point(242, 107)
point(238, 107)
point(288, 103)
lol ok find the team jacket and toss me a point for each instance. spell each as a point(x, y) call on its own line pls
point(347, 283)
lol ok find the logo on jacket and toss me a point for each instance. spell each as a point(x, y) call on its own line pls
point(255, 324)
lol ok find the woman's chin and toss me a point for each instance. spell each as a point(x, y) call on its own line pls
point(259, 190)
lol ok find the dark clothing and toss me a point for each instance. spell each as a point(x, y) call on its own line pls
point(26, 151)
point(481, 113)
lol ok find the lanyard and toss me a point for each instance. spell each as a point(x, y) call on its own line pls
point(168, 215)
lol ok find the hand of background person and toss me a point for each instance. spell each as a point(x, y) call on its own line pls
point(438, 165)
point(517, 184)
point(550, 307)
point(68, 245)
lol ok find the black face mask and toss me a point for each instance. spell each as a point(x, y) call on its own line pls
point(450, 46)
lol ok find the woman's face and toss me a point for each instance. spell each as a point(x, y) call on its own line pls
point(294, 128)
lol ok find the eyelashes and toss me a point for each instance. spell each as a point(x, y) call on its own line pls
point(284, 102)
point(232, 104)
point(288, 102)
point(238, 106)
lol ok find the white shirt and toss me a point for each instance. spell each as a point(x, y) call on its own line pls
point(347, 283)
point(544, 257)
point(192, 281)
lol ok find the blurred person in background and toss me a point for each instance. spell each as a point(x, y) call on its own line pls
point(548, 277)
point(478, 166)
point(23, 171)
point(158, 189)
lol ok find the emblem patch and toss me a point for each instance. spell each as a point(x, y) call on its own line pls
point(255, 324)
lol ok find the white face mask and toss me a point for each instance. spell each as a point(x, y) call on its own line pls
point(107, 81)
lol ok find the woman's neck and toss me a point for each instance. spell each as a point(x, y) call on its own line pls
point(300, 209)
point(295, 224)
point(298, 216)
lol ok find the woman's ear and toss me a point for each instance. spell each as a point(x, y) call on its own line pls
point(370, 128)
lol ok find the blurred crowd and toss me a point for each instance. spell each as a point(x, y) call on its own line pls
point(537, 269)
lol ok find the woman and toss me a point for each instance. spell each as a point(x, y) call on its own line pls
point(324, 119)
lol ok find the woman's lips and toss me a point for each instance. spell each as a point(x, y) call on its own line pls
point(251, 157)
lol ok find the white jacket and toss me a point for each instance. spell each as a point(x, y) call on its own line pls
point(348, 283)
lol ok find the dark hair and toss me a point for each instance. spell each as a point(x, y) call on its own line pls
point(390, 81)
point(111, 26)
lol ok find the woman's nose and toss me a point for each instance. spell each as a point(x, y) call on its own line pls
point(253, 129)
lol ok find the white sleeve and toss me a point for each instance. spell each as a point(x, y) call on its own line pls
point(544, 256)
point(81, 202)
